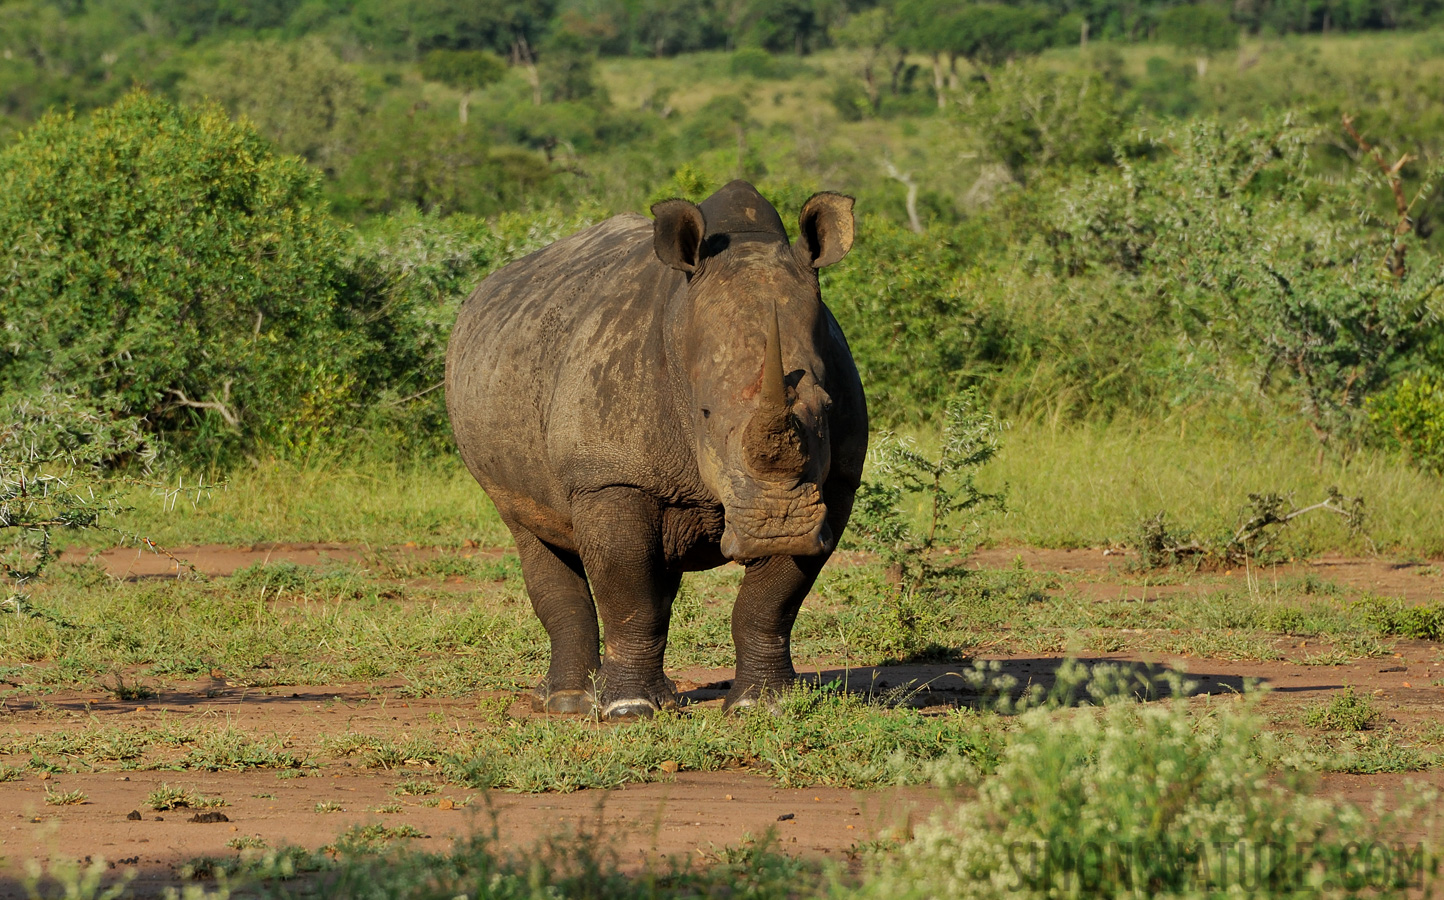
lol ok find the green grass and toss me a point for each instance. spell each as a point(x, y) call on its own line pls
point(1088, 486)
point(1345, 711)
point(1165, 788)
point(275, 626)
point(369, 503)
point(1068, 486)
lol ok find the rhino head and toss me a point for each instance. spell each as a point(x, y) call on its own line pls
point(752, 341)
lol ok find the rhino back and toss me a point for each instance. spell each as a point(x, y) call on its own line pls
point(556, 375)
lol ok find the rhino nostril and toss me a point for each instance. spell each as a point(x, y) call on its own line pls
point(706, 413)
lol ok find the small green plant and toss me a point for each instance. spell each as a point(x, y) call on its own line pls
point(129, 693)
point(362, 839)
point(387, 808)
point(63, 798)
point(1160, 795)
point(247, 842)
point(329, 806)
point(946, 486)
point(1345, 711)
point(1392, 617)
point(11, 773)
point(414, 788)
point(166, 797)
point(57, 453)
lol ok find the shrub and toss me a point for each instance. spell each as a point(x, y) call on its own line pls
point(1411, 415)
point(1346, 711)
point(1274, 278)
point(1152, 800)
point(56, 453)
point(166, 257)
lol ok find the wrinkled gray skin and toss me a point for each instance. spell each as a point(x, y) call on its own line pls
point(648, 398)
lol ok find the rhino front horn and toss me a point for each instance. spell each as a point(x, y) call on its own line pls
point(771, 442)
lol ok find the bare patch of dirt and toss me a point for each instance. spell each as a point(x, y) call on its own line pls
point(691, 814)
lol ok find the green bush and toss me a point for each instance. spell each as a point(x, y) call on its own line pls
point(57, 456)
point(167, 257)
point(1150, 800)
point(1271, 277)
point(1346, 711)
point(1410, 414)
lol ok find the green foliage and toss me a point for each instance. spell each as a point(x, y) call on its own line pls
point(1345, 711)
point(298, 94)
point(1390, 616)
point(164, 256)
point(1256, 258)
point(469, 70)
point(1410, 414)
point(756, 63)
point(1034, 119)
point(57, 455)
point(1201, 27)
point(947, 487)
point(1161, 795)
point(428, 161)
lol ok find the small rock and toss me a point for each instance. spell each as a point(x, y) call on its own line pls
point(670, 767)
point(208, 818)
point(160, 818)
point(785, 817)
point(445, 803)
point(134, 815)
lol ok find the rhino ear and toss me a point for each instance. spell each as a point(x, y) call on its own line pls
point(826, 229)
point(677, 234)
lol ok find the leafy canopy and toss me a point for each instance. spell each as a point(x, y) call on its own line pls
point(166, 256)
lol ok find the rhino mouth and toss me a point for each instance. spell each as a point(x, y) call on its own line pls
point(777, 522)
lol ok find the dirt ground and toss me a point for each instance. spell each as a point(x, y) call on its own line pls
point(690, 814)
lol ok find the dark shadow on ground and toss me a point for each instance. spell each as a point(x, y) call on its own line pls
point(956, 683)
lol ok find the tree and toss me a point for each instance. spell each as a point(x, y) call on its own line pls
point(869, 32)
point(417, 159)
point(298, 94)
point(465, 70)
point(1199, 29)
point(166, 256)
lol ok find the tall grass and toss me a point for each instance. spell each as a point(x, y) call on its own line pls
point(1090, 485)
point(1081, 485)
point(429, 502)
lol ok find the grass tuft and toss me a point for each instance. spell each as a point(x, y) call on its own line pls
point(1345, 711)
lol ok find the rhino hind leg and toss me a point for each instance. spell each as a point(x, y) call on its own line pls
point(767, 603)
point(619, 533)
point(559, 594)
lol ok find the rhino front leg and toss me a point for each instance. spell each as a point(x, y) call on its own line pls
point(771, 594)
point(559, 595)
point(619, 533)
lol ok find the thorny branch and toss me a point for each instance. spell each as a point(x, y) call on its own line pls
point(1401, 205)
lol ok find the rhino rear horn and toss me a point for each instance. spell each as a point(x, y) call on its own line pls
point(677, 234)
point(826, 229)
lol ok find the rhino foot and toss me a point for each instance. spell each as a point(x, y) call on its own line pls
point(751, 697)
point(631, 702)
point(629, 709)
point(560, 703)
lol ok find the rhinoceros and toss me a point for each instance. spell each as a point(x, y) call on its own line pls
point(647, 398)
